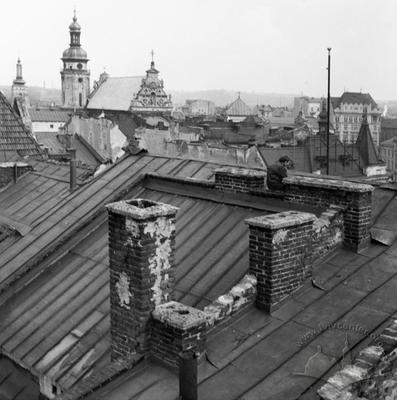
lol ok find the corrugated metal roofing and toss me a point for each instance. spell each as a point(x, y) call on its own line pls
point(49, 115)
point(115, 93)
point(14, 137)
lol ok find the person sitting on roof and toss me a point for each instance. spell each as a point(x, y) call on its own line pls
point(277, 172)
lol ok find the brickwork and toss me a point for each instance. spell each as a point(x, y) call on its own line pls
point(372, 374)
point(11, 171)
point(229, 304)
point(356, 199)
point(239, 180)
point(177, 328)
point(327, 231)
point(280, 254)
point(142, 270)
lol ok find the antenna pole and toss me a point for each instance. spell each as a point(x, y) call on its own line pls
point(328, 104)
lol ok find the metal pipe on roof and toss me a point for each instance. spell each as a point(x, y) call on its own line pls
point(73, 165)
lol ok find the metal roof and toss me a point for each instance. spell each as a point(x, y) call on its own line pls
point(115, 93)
point(238, 108)
point(259, 356)
point(57, 322)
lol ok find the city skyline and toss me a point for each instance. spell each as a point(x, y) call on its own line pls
point(261, 47)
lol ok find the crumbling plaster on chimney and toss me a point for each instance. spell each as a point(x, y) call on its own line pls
point(279, 237)
point(161, 231)
point(123, 290)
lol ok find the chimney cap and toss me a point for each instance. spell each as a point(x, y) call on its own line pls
point(179, 315)
point(141, 209)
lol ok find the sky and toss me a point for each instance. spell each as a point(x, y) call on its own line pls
point(263, 46)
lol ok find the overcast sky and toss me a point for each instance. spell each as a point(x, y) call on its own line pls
point(273, 46)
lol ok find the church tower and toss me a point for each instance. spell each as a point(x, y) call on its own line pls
point(18, 84)
point(75, 75)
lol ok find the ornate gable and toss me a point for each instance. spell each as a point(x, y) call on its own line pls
point(151, 95)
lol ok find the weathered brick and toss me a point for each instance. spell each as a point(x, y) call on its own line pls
point(142, 268)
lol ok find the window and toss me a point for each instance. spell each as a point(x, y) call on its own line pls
point(51, 125)
point(80, 100)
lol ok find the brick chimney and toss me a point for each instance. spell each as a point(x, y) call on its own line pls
point(142, 269)
point(280, 254)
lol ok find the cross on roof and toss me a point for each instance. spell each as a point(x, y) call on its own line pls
point(152, 53)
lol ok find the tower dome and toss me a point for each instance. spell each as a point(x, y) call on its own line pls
point(74, 26)
point(75, 74)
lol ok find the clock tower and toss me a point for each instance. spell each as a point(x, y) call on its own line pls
point(75, 75)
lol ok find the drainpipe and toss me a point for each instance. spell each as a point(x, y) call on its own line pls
point(73, 164)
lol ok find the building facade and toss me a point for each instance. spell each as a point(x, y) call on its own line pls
point(346, 116)
point(388, 153)
point(200, 107)
point(309, 106)
point(75, 75)
point(151, 96)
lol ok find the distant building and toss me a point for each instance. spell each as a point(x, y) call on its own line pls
point(347, 113)
point(127, 95)
point(388, 128)
point(151, 96)
point(388, 152)
point(18, 89)
point(238, 110)
point(200, 107)
point(48, 119)
point(309, 106)
point(75, 75)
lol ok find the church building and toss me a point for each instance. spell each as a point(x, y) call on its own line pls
point(75, 74)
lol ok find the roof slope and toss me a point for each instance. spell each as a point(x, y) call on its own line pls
point(267, 357)
point(68, 307)
point(366, 145)
point(14, 137)
point(49, 115)
point(238, 108)
point(115, 93)
point(211, 243)
point(354, 98)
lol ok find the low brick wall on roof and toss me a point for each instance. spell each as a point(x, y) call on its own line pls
point(372, 375)
point(229, 304)
point(327, 232)
point(11, 171)
point(356, 199)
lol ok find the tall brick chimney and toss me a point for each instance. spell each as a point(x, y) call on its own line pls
point(280, 247)
point(142, 269)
